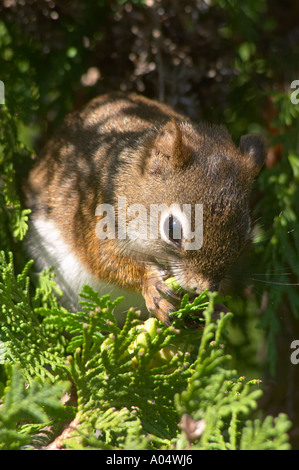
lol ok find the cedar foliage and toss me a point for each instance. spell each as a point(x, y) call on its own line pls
point(133, 385)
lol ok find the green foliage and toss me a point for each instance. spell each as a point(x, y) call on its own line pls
point(133, 385)
point(11, 211)
point(126, 361)
point(271, 434)
point(221, 402)
point(26, 340)
point(21, 405)
point(278, 238)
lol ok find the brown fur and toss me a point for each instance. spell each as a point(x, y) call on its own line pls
point(127, 145)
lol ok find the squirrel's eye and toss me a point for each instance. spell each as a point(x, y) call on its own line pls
point(173, 229)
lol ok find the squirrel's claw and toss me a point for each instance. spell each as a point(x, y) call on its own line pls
point(157, 297)
point(166, 291)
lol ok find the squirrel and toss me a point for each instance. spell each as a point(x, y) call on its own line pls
point(125, 148)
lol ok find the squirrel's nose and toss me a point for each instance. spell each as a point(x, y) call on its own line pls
point(211, 286)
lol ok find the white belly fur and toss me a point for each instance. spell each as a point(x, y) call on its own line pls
point(46, 246)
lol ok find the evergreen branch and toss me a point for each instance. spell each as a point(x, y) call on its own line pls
point(133, 385)
point(34, 404)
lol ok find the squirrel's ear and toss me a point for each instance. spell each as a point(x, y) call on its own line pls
point(253, 149)
point(169, 144)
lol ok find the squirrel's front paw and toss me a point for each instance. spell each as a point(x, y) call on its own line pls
point(159, 298)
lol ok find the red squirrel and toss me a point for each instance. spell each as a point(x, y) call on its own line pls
point(108, 166)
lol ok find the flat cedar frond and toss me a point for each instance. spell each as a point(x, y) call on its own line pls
point(26, 339)
point(38, 403)
point(143, 386)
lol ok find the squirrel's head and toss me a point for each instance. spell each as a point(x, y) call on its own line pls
point(195, 184)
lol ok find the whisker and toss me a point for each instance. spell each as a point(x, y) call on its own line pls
point(275, 282)
point(273, 273)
